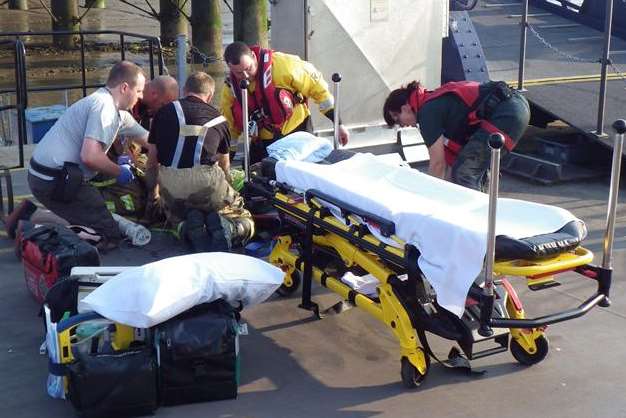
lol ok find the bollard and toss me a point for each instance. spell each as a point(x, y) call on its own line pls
point(181, 61)
point(336, 79)
point(246, 133)
point(609, 233)
point(496, 141)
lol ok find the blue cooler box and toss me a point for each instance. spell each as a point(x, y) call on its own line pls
point(40, 119)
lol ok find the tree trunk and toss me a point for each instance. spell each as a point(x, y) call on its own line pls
point(66, 14)
point(173, 22)
point(206, 32)
point(96, 4)
point(250, 22)
point(18, 4)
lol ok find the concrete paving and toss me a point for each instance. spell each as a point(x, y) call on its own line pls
point(347, 366)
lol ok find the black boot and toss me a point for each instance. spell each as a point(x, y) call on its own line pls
point(195, 232)
point(215, 230)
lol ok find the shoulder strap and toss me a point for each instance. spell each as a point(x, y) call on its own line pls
point(200, 143)
point(185, 130)
point(181, 137)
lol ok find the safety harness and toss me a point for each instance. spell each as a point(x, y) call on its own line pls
point(479, 101)
point(185, 130)
point(269, 107)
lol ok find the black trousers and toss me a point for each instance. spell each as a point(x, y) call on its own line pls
point(472, 164)
point(87, 209)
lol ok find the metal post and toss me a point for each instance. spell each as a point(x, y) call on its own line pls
point(522, 47)
point(336, 79)
point(609, 233)
point(151, 52)
point(605, 62)
point(122, 51)
point(181, 60)
point(246, 133)
point(21, 97)
point(496, 141)
point(83, 74)
point(162, 66)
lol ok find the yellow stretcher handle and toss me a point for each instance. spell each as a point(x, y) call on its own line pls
point(526, 268)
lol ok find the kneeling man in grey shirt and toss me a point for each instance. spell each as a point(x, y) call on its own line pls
point(74, 150)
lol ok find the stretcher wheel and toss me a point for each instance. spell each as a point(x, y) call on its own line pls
point(411, 377)
point(527, 358)
point(287, 290)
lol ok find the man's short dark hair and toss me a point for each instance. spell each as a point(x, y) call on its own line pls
point(200, 83)
point(234, 52)
point(124, 72)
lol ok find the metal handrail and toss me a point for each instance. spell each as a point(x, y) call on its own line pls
point(21, 83)
point(21, 96)
point(152, 40)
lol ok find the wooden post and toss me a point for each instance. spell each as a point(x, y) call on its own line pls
point(18, 4)
point(206, 31)
point(250, 22)
point(65, 19)
point(173, 22)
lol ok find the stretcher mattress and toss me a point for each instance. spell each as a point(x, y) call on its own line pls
point(447, 223)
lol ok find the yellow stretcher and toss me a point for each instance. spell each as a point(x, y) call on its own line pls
point(314, 244)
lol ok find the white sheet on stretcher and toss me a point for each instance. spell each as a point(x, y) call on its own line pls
point(446, 222)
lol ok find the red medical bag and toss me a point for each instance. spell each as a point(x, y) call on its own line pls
point(48, 254)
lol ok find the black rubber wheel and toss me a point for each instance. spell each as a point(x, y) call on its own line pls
point(411, 377)
point(285, 290)
point(529, 359)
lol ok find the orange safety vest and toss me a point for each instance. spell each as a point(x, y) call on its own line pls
point(269, 106)
point(470, 94)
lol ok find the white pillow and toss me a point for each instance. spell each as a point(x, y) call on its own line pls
point(148, 295)
point(300, 146)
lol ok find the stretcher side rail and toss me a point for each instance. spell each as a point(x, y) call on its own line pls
point(387, 228)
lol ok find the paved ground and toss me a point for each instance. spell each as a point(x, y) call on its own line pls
point(347, 366)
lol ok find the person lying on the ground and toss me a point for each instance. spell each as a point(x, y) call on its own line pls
point(280, 86)
point(75, 149)
point(191, 144)
point(456, 121)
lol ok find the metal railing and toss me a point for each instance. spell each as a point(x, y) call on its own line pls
point(22, 89)
point(153, 41)
point(21, 94)
point(604, 60)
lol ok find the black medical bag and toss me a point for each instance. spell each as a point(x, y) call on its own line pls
point(121, 383)
point(198, 354)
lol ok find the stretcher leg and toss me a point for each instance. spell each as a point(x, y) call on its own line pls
point(414, 361)
point(528, 346)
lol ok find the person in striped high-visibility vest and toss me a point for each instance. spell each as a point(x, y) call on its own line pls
point(456, 120)
point(191, 144)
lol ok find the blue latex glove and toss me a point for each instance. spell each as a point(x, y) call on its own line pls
point(126, 175)
point(124, 159)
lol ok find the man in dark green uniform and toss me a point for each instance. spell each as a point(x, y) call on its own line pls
point(456, 120)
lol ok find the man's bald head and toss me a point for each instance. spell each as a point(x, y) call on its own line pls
point(160, 91)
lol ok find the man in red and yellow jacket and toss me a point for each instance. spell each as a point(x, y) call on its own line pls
point(280, 85)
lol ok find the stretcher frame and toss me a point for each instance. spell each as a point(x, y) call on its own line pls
point(402, 304)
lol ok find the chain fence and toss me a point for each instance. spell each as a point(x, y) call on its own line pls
point(574, 59)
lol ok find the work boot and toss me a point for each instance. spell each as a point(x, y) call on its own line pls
point(238, 230)
point(215, 230)
point(195, 232)
point(22, 212)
